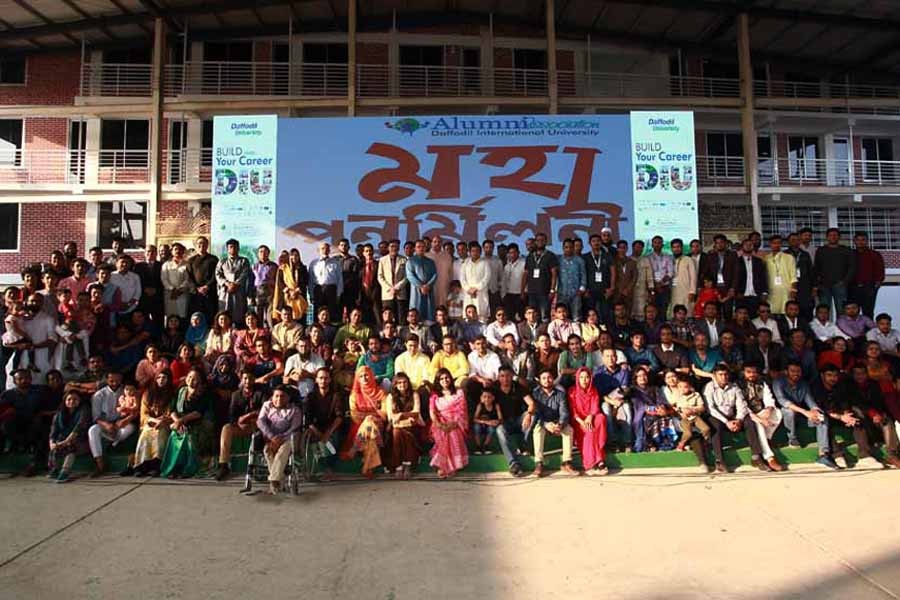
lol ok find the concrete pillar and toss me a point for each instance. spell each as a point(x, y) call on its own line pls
point(194, 151)
point(551, 56)
point(351, 58)
point(156, 125)
point(748, 126)
point(91, 151)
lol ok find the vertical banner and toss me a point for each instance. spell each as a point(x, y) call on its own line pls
point(243, 183)
point(664, 170)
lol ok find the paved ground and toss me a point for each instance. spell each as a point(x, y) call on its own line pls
point(640, 534)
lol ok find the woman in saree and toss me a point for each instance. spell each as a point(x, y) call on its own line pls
point(220, 340)
point(449, 426)
point(404, 416)
point(367, 421)
point(588, 423)
point(150, 366)
point(245, 339)
point(191, 428)
point(653, 421)
point(291, 283)
point(155, 405)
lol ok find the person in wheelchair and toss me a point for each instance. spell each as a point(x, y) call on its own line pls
point(279, 420)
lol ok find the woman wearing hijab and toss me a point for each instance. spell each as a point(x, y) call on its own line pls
point(404, 415)
point(68, 436)
point(367, 420)
point(291, 283)
point(588, 423)
point(191, 429)
point(654, 426)
point(155, 406)
point(197, 332)
point(223, 381)
point(449, 426)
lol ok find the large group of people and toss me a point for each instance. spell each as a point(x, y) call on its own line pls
point(434, 349)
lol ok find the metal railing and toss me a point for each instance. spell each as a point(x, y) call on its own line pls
point(728, 171)
point(74, 167)
point(117, 80)
point(634, 85)
point(187, 166)
point(256, 79)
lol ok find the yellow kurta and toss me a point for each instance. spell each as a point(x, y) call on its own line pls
point(782, 270)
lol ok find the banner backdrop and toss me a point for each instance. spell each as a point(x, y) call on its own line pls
point(503, 178)
point(665, 191)
point(244, 182)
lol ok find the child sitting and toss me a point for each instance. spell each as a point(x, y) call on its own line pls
point(488, 418)
point(689, 405)
point(708, 293)
point(128, 406)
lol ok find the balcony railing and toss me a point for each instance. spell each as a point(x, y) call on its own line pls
point(188, 166)
point(116, 80)
point(633, 85)
point(74, 167)
point(728, 171)
point(256, 79)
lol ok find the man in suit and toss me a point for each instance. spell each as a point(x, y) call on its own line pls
point(530, 328)
point(806, 290)
point(710, 325)
point(392, 279)
point(720, 266)
point(751, 279)
point(765, 353)
point(791, 319)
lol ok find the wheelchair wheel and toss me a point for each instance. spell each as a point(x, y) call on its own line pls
point(309, 458)
point(295, 480)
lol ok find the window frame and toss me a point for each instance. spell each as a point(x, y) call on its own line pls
point(122, 159)
point(18, 247)
point(131, 243)
point(881, 171)
point(717, 171)
point(17, 162)
point(798, 167)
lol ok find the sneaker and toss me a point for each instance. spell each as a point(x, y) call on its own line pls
point(869, 462)
point(568, 469)
point(488, 451)
point(826, 461)
point(62, 477)
point(539, 470)
point(478, 452)
point(223, 472)
point(794, 444)
point(841, 462)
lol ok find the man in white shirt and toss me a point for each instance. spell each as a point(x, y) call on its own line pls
point(511, 282)
point(108, 425)
point(484, 366)
point(496, 266)
point(765, 321)
point(823, 328)
point(475, 280)
point(499, 328)
point(300, 368)
point(41, 330)
point(887, 338)
point(129, 284)
point(326, 282)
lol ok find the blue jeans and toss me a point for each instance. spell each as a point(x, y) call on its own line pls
point(836, 293)
point(512, 425)
point(542, 303)
point(618, 428)
point(791, 420)
point(483, 431)
point(573, 301)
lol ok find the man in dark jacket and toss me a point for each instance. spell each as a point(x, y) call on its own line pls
point(835, 269)
point(751, 280)
point(805, 275)
point(720, 266)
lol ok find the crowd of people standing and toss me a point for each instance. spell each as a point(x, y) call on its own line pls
point(441, 349)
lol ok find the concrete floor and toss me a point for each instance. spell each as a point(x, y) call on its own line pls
point(640, 534)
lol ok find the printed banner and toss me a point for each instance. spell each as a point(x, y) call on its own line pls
point(665, 186)
point(244, 182)
point(504, 178)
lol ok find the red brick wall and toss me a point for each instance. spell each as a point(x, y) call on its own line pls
point(45, 227)
point(51, 79)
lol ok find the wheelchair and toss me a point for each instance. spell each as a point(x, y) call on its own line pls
point(302, 463)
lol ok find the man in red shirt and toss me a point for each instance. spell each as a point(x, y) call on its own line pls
point(869, 275)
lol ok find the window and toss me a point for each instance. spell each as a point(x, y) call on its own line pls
point(803, 153)
point(765, 166)
point(206, 145)
point(788, 219)
point(530, 75)
point(12, 71)
point(332, 54)
point(877, 157)
point(124, 143)
point(127, 220)
point(420, 69)
point(228, 52)
point(725, 154)
point(324, 69)
point(129, 56)
point(9, 227)
point(881, 223)
point(10, 142)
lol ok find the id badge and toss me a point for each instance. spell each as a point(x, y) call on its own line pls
point(798, 273)
point(720, 279)
point(536, 274)
point(779, 280)
point(598, 277)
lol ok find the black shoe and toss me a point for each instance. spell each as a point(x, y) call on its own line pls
point(223, 472)
point(760, 464)
point(515, 470)
point(127, 472)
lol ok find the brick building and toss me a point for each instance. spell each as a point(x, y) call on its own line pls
point(106, 130)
